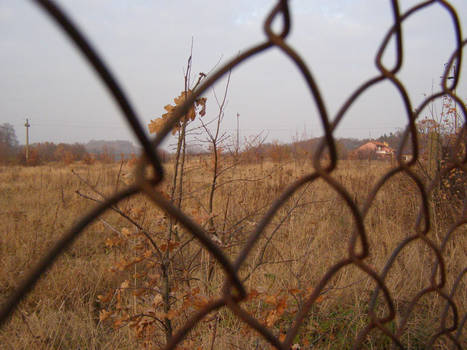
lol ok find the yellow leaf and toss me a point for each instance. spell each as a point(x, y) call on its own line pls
point(125, 284)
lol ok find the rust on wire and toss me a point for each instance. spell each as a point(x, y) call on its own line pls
point(234, 290)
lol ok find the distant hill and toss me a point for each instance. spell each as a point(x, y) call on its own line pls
point(351, 143)
point(116, 147)
point(305, 148)
point(393, 140)
point(311, 144)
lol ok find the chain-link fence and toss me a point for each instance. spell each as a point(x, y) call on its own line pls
point(234, 291)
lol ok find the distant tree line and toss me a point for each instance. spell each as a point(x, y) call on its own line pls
point(8, 143)
point(11, 152)
point(304, 149)
point(254, 150)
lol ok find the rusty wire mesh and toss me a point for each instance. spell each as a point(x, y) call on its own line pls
point(358, 248)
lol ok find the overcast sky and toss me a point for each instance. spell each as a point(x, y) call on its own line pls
point(146, 44)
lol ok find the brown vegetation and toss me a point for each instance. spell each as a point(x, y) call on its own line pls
point(106, 292)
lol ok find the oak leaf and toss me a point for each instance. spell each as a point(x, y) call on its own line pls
point(271, 318)
point(157, 124)
point(126, 232)
point(104, 314)
point(157, 300)
point(105, 298)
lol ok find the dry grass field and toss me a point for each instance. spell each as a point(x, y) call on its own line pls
point(109, 290)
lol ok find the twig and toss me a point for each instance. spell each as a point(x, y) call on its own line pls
point(121, 213)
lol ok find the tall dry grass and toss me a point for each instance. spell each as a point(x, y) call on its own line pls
point(308, 235)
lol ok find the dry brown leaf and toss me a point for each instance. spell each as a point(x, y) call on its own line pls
point(171, 314)
point(105, 298)
point(281, 306)
point(157, 124)
point(271, 318)
point(104, 314)
point(139, 292)
point(270, 299)
point(253, 294)
point(157, 300)
point(126, 232)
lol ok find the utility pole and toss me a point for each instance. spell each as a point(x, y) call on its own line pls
point(454, 67)
point(238, 135)
point(454, 72)
point(27, 125)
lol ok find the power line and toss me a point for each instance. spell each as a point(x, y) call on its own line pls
point(80, 126)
